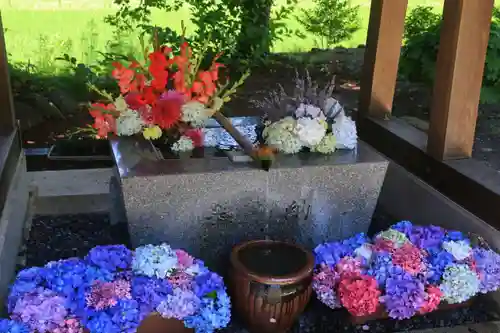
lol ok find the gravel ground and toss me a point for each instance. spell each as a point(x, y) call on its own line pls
point(57, 237)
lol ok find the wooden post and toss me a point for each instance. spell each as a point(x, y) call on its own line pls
point(7, 120)
point(383, 48)
point(459, 72)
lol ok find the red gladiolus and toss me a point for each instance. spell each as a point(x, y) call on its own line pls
point(158, 69)
point(124, 76)
point(196, 135)
point(104, 119)
point(166, 112)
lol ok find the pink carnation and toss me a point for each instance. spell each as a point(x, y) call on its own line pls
point(409, 257)
point(359, 295)
point(349, 266)
point(184, 260)
point(106, 294)
point(432, 299)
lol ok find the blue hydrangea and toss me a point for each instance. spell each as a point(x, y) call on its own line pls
point(331, 253)
point(214, 314)
point(380, 268)
point(404, 227)
point(110, 257)
point(207, 283)
point(154, 261)
point(149, 292)
point(453, 235)
point(11, 326)
point(27, 280)
point(437, 261)
point(124, 317)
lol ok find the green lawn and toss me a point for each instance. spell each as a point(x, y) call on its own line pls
point(39, 34)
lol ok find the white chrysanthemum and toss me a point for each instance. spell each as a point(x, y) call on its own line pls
point(364, 251)
point(309, 110)
point(129, 123)
point(282, 136)
point(195, 113)
point(459, 284)
point(344, 130)
point(310, 131)
point(327, 145)
point(460, 250)
point(183, 144)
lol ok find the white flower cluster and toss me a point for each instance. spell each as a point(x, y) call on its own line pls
point(308, 127)
point(129, 122)
point(459, 250)
point(183, 144)
point(154, 261)
point(459, 284)
point(195, 113)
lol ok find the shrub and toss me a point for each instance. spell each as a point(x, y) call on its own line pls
point(331, 21)
point(419, 54)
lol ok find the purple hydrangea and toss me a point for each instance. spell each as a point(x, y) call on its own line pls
point(149, 292)
point(12, 326)
point(110, 257)
point(487, 264)
point(41, 310)
point(27, 280)
point(404, 295)
point(179, 305)
point(426, 237)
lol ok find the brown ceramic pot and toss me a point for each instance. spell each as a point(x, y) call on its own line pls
point(156, 324)
point(270, 284)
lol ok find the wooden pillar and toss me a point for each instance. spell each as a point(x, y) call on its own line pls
point(383, 49)
point(459, 72)
point(7, 120)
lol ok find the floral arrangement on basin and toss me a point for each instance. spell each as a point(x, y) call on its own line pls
point(307, 120)
point(113, 290)
point(167, 97)
point(404, 271)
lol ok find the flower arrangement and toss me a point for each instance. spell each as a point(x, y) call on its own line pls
point(308, 120)
point(114, 289)
point(406, 270)
point(167, 97)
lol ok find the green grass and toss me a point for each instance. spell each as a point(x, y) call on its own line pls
point(77, 28)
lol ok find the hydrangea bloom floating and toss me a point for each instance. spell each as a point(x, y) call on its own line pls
point(310, 119)
point(167, 96)
point(405, 270)
point(113, 289)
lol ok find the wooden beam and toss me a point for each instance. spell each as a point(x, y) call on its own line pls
point(383, 48)
point(7, 118)
point(459, 71)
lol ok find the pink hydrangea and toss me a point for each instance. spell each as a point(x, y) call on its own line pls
point(181, 280)
point(70, 325)
point(409, 257)
point(349, 266)
point(359, 295)
point(184, 260)
point(383, 245)
point(106, 294)
point(325, 278)
point(432, 299)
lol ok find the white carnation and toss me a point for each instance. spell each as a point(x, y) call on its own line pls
point(310, 131)
point(459, 250)
point(183, 144)
point(129, 123)
point(344, 130)
point(309, 110)
point(282, 135)
point(195, 113)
